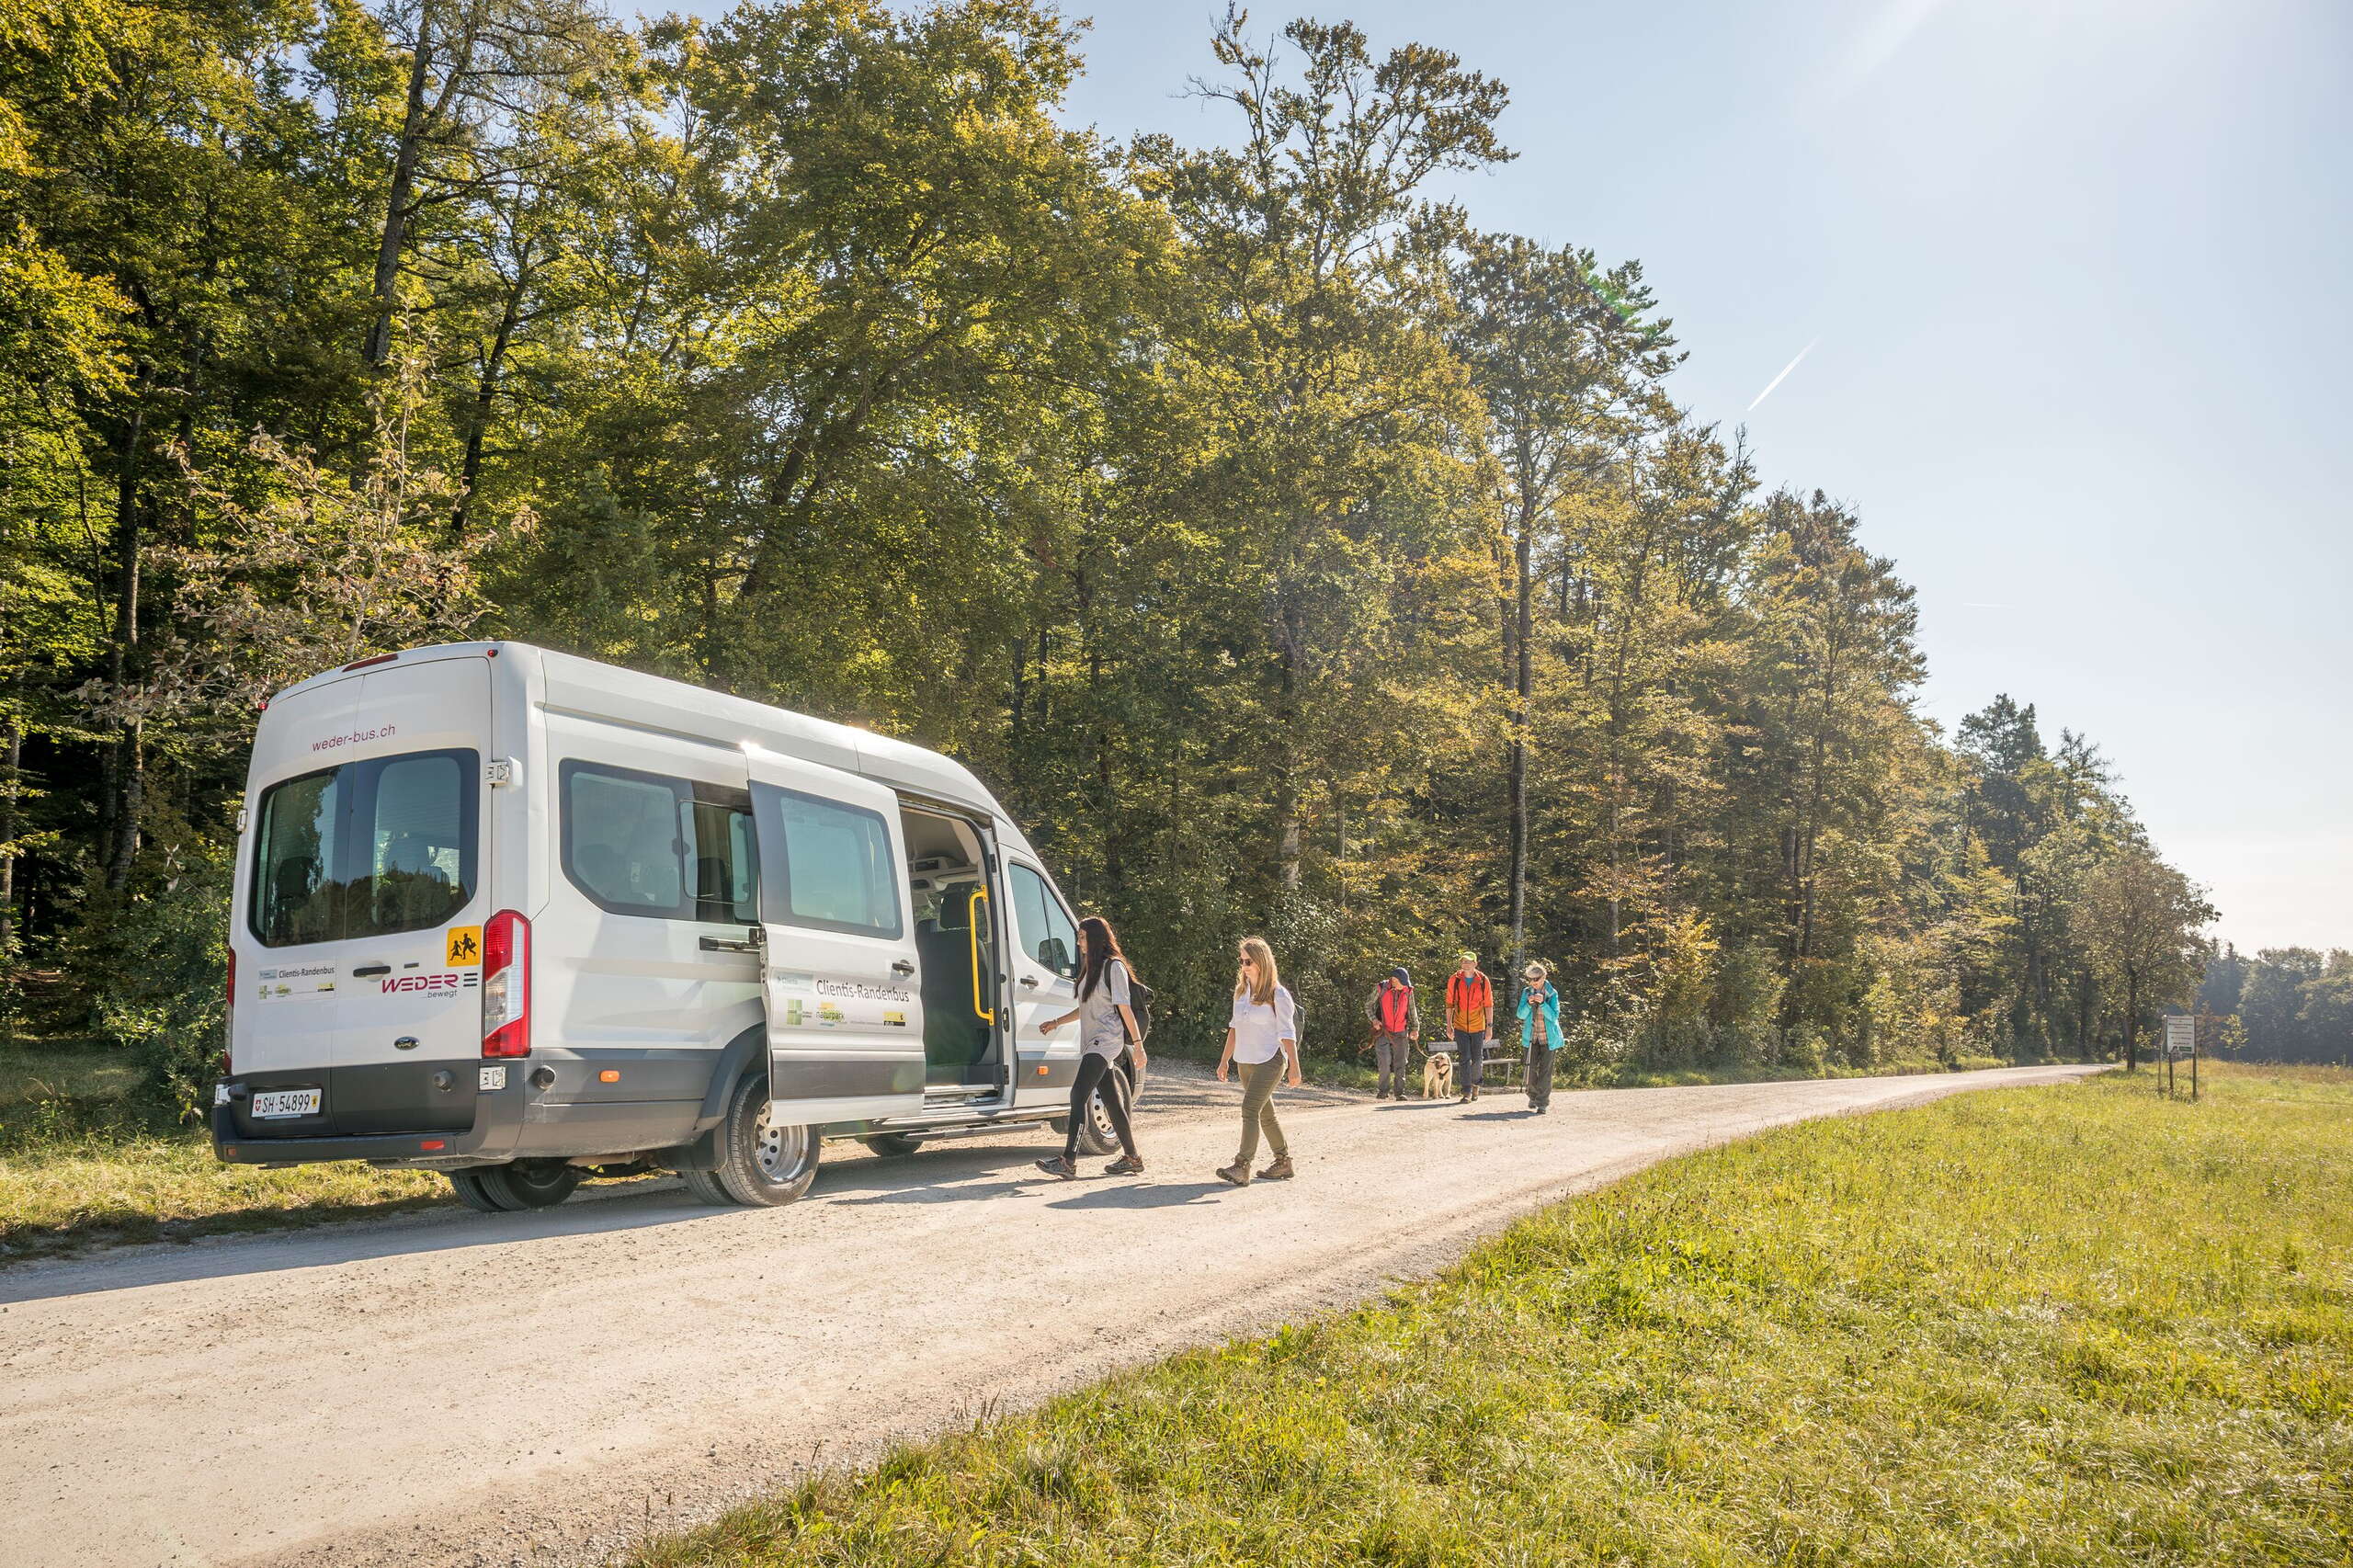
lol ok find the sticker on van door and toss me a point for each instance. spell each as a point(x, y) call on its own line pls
point(465, 948)
point(305, 980)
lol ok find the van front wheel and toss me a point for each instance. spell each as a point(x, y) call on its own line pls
point(762, 1164)
point(1096, 1134)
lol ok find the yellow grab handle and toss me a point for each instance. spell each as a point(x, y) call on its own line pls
point(972, 914)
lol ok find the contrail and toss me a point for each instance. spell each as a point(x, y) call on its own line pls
point(1784, 376)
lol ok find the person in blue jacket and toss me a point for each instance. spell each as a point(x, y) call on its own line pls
point(1540, 1026)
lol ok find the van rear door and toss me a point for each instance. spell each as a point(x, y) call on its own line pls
point(368, 886)
point(844, 1013)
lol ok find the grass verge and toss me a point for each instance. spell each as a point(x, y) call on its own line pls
point(82, 1163)
point(2067, 1326)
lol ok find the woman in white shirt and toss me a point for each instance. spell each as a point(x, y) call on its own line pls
point(1107, 1029)
point(1262, 1038)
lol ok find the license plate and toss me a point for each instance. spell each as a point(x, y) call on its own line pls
point(286, 1102)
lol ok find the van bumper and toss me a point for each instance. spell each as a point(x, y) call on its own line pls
point(498, 1126)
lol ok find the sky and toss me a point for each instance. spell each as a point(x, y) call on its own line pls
point(2065, 284)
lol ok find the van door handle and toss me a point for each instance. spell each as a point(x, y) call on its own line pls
point(900, 966)
point(370, 971)
point(1031, 980)
point(722, 945)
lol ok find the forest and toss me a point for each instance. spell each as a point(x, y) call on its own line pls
point(1291, 553)
point(2282, 1004)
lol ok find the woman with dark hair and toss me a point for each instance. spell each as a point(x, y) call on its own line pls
point(1106, 1028)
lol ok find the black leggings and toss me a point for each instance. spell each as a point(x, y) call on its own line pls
point(1092, 1068)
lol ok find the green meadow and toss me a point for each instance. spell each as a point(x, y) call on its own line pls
point(2078, 1324)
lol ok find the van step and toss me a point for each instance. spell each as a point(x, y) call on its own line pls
point(928, 1132)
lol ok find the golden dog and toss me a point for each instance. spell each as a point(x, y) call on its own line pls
point(1438, 1076)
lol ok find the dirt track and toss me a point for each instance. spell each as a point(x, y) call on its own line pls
point(541, 1389)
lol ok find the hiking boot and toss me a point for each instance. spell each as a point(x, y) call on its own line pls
point(1279, 1171)
point(1236, 1173)
point(1126, 1165)
point(1059, 1165)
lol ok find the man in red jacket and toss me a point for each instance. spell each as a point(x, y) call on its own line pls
point(1471, 1014)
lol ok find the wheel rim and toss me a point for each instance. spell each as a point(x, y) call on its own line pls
point(539, 1183)
point(779, 1152)
point(1098, 1114)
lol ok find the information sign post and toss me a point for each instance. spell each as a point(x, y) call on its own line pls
point(2181, 1040)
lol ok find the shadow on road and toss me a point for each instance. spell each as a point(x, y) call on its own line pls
point(1144, 1195)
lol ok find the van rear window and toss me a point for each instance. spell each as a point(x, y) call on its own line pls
point(366, 849)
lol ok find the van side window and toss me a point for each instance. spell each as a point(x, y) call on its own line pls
point(665, 849)
point(829, 866)
point(1046, 930)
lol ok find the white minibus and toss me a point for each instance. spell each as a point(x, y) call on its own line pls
point(523, 917)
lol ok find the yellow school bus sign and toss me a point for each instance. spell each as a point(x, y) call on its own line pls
point(465, 948)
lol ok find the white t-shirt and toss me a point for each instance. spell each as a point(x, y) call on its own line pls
point(1101, 1030)
point(1260, 1028)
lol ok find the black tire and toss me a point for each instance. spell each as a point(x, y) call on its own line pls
point(531, 1184)
point(1096, 1134)
point(761, 1167)
point(891, 1145)
point(475, 1193)
point(703, 1188)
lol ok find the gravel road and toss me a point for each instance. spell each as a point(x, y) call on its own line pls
point(542, 1389)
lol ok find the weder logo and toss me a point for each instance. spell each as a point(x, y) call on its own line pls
point(399, 982)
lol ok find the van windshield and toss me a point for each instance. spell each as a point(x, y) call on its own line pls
point(366, 849)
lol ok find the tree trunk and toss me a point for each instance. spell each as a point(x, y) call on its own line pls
point(406, 158)
point(125, 764)
point(12, 757)
point(1523, 686)
point(1290, 833)
point(486, 389)
point(2131, 1021)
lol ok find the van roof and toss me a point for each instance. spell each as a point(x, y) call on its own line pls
point(572, 683)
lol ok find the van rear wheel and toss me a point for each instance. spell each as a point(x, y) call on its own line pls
point(762, 1164)
point(530, 1183)
point(475, 1193)
point(891, 1145)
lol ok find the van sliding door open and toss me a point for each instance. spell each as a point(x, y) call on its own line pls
point(844, 1013)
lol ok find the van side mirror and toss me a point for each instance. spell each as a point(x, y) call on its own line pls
point(1054, 954)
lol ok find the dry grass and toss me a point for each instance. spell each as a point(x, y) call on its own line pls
point(82, 1162)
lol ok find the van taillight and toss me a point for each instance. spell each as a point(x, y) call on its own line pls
point(506, 985)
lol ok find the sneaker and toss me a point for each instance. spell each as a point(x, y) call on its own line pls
point(1236, 1173)
point(1059, 1165)
point(1279, 1171)
point(1126, 1165)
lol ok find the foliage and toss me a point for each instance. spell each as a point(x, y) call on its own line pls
point(1898, 1338)
point(161, 988)
point(1290, 555)
point(2284, 1005)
